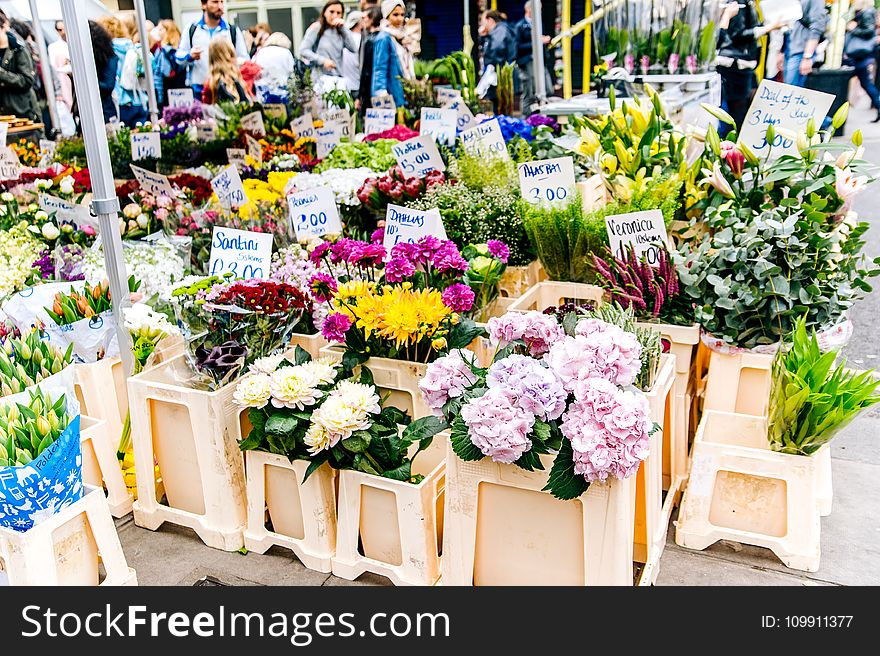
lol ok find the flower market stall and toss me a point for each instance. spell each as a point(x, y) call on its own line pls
point(503, 358)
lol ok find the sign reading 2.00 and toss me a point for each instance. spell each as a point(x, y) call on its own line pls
point(313, 213)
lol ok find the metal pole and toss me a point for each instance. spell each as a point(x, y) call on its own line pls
point(538, 52)
point(105, 205)
point(566, 50)
point(145, 51)
point(467, 41)
point(46, 68)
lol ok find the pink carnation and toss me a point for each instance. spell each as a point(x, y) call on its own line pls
point(497, 426)
point(447, 378)
point(537, 330)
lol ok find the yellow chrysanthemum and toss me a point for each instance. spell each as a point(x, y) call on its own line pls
point(368, 312)
point(278, 180)
point(410, 315)
point(351, 290)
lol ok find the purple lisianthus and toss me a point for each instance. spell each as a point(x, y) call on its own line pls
point(320, 250)
point(322, 287)
point(536, 389)
point(497, 426)
point(459, 297)
point(447, 258)
point(539, 120)
point(498, 249)
point(447, 378)
point(335, 327)
point(398, 268)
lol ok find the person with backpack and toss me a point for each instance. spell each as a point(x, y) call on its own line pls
point(326, 40)
point(168, 72)
point(17, 75)
point(193, 48)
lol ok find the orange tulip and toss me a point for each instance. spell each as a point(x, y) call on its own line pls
point(83, 305)
point(56, 307)
point(88, 313)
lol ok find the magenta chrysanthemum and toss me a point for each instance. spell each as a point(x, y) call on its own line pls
point(398, 268)
point(335, 327)
point(498, 249)
point(459, 297)
point(322, 287)
point(319, 252)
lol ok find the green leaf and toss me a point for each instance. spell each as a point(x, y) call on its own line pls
point(402, 473)
point(461, 442)
point(463, 333)
point(424, 427)
point(317, 461)
point(358, 442)
point(300, 355)
point(350, 360)
point(280, 425)
point(530, 461)
point(366, 376)
point(569, 322)
point(563, 483)
point(541, 431)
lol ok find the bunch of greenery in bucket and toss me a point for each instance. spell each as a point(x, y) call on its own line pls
point(319, 411)
point(28, 429)
point(413, 313)
point(227, 324)
point(28, 360)
point(486, 265)
point(551, 389)
point(811, 400)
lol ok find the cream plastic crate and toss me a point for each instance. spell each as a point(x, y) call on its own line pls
point(738, 383)
point(194, 436)
point(167, 349)
point(303, 515)
point(67, 548)
point(398, 524)
point(551, 293)
point(517, 279)
point(740, 490)
point(400, 378)
point(101, 465)
point(101, 391)
point(311, 343)
point(501, 529)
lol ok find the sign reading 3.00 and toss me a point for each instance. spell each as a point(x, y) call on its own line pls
point(242, 253)
point(547, 181)
point(313, 213)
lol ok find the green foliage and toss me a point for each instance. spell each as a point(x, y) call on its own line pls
point(464, 78)
point(505, 89)
point(478, 173)
point(72, 151)
point(375, 155)
point(810, 403)
point(563, 483)
point(707, 42)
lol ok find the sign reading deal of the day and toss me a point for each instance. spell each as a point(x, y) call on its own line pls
point(303, 127)
point(327, 137)
point(403, 224)
point(153, 183)
point(378, 120)
point(418, 156)
point(145, 145)
point(547, 181)
point(180, 97)
point(242, 253)
point(10, 167)
point(485, 140)
point(254, 149)
point(65, 210)
point(441, 123)
point(313, 213)
point(788, 109)
point(644, 230)
point(237, 156)
point(253, 122)
point(227, 185)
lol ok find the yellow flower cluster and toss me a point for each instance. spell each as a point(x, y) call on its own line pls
point(399, 313)
point(261, 192)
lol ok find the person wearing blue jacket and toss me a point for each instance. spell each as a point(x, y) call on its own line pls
point(386, 71)
point(498, 44)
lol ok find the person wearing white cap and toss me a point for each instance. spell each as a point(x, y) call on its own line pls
point(351, 65)
point(394, 15)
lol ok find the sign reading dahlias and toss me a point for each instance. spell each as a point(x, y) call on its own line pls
point(404, 224)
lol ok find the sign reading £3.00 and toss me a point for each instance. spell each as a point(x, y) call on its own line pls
point(242, 253)
point(548, 181)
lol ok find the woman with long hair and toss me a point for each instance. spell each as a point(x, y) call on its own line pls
point(394, 15)
point(325, 40)
point(224, 83)
point(381, 65)
point(106, 64)
point(168, 73)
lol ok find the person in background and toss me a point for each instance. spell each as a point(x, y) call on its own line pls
point(275, 58)
point(326, 40)
point(17, 74)
point(859, 49)
point(168, 71)
point(498, 46)
point(351, 66)
point(259, 33)
point(366, 5)
point(131, 92)
point(372, 25)
point(385, 70)
point(106, 65)
point(224, 83)
point(394, 23)
point(197, 37)
point(524, 57)
point(802, 40)
point(59, 58)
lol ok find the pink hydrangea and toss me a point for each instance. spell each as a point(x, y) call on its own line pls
point(536, 388)
point(608, 430)
point(539, 331)
point(599, 350)
point(497, 426)
point(447, 378)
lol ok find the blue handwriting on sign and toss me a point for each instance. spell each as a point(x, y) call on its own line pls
point(237, 242)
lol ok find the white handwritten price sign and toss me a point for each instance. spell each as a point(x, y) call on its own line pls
point(440, 123)
point(418, 156)
point(276, 110)
point(10, 168)
point(786, 108)
point(485, 140)
point(547, 181)
point(206, 131)
point(253, 122)
point(236, 156)
point(644, 230)
point(303, 127)
point(244, 254)
point(383, 102)
point(180, 97)
point(227, 185)
point(343, 119)
point(378, 120)
point(145, 145)
point(445, 94)
point(254, 149)
point(403, 224)
point(154, 183)
point(313, 213)
point(47, 149)
point(464, 116)
point(327, 138)
point(64, 210)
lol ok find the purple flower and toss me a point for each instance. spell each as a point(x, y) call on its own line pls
point(447, 378)
point(365, 255)
point(318, 254)
point(378, 236)
point(341, 250)
point(447, 258)
point(398, 268)
point(425, 248)
point(498, 249)
point(459, 297)
point(538, 120)
point(45, 264)
point(335, 327)
point(498, 426)
point(536, 389)
point(322, 287)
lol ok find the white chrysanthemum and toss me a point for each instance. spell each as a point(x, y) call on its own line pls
point(340, 419)
point(324, 370)
point(266, 365)
point(66, 184)
point(290, 388)
point(359, 396)
point(252, 391)
point(317, 439)
point(142, 321)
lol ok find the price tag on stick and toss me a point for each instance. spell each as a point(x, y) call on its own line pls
point(180, 97)
point(313, 213)
point(548, 181)
point(418, 156)
point(465, 117)
point(253, 122)
point(403, 224)
point(236, 156)
point(485, 140)
point(145, 145)
point(227, 185)
point(244, 254)
point(303, 127)
point(644, 230)
point(440, 123)
point(379, 120)
point(327, 138)
point(154, 183)
point(254, 149)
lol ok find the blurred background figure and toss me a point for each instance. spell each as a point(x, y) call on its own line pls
point(860, 48)
point(224, 83)
point(351, 63)
point(524, 57)
point(275, 59)
point(326, 40)
point(257, 35)
point(168, 71)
